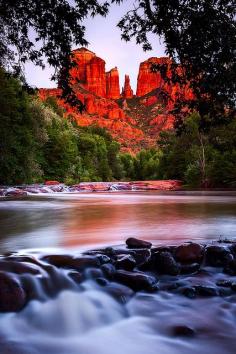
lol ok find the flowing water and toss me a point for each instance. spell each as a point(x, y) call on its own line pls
point(88, 320)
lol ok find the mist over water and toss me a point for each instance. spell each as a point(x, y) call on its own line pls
point(85, 319)
point(88, 220)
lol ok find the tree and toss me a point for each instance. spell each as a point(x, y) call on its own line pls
point(31, 30)
point(198, 35)
point(16, 131)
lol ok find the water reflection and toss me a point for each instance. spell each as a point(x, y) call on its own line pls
point(91, 219)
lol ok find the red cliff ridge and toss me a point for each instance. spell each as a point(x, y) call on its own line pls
point(127, 91)
point(134, 121)
point(147, 79)
point(113, 84)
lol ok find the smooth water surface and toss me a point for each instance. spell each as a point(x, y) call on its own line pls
point(91, 219)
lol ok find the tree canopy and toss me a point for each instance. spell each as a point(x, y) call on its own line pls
point(198, 35)
point(46, 29)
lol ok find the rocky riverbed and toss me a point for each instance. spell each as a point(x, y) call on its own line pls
point(56, 187)
point(184, 296)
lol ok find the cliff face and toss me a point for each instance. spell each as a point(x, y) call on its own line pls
point(127, 91)
point(113, 84)
point(147, 79)
point(134, 121)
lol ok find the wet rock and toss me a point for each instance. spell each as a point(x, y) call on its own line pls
point(51, 183)
point(103, 258)
point(93, 273)
point(189, 292)
point(12, 295)
point(109, 270)
point(102, 281)
point(18, 267)
point(126, 262)
point(204, 290)
point(136, 281)
point(190, 268)
point(14, 192)
point(183, 331)
point(84, 262)
point(233, 286)
point(189, 253)
point(230, 267)
point(77, 277)
point(120, 292)
point(224, 283)
point(67, 261)
point(141, 256)
point(136, 243)
point(59, 260)
point(166, 264)
point(217, 256)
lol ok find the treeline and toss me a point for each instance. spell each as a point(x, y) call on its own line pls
point(37, 144)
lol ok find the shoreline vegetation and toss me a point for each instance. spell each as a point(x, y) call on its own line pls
point(39, 142)
point(193, 270)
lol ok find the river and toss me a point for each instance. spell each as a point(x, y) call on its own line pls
point(86, 319)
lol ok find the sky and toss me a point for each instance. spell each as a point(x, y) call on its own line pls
point(105, 40)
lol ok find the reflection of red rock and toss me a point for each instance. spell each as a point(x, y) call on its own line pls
point(112, 84)
point(127, 91)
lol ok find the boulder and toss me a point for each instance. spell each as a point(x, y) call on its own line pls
point(12, 295)
point(126, 262)
point(189, 253)
point(166, 264)
point(136, 281)
point(133, 242)
point(217, 256)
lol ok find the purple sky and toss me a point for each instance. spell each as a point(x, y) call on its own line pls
point(105, 41)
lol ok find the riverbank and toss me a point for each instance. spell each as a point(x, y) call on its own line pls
point(56, 187)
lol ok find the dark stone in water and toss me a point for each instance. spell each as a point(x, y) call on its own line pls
point(136, 281)
point(103, 258)
point(189, 292)
point(109, 270)
point(224, 283)
point(67, 261)
point(230, 268)
point(102, 281)
point(93, 273)
point(132, 242)
point(166, 264)
point(233, 286)
point(120, 292)
point(77, 277)
point(12, 295)
point(183, 331)
point(141, 256)
point(217, 256)
point(204, 290)
point(126, 262)
point(189, 253)
point(190, 268)
point(18, 267)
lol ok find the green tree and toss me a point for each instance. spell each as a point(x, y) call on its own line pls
point(199, 35)
point(16, 130)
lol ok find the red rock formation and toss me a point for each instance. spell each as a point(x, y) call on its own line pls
point(89, 71)
point(147, 79)
point(127, 91)
point(113, 84)
point(134, 122)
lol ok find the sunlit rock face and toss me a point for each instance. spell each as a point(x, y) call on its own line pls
point(112, 84)
point(148, 80)
point(127, 91)
point(134, 121)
